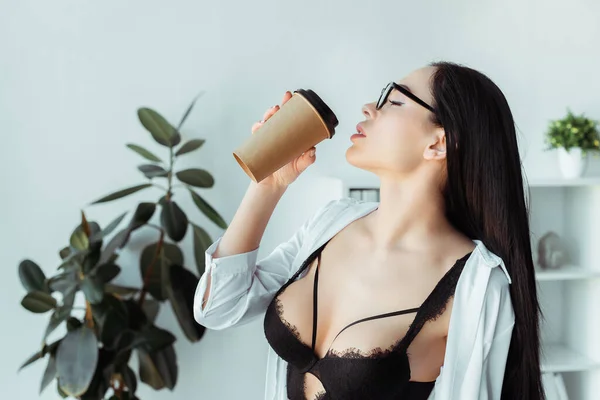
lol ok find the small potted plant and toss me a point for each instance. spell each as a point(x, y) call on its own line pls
point(573, 136)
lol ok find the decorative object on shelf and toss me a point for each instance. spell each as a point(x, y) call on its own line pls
point(552, 252)
point(365, 194)
point(573, 136)
point(91, 362)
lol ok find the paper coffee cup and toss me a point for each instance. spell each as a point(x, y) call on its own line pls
point(301, 123)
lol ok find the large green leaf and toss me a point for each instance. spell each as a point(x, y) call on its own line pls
point(122, 193)
point(73, 323)
point(102, 376)
point(106, 272)
point(118, 241)
point(143, 213)
point(112, 327)
point(148, 371)
point(141, 216)
point(79, 240)
point(169, 254)
point(38, 302)
point(160, 129)
point(202, 241)
point(153, 338)
point(207, 210)
point(196, 177)
point(129, 378)
point(64, 252)
point(174, 221)
point(110, 305)
point(61, 392)
point(143, 152)
point(75, 257)
point(108, 230)
point(32, 277)
point(120, 290)
point(31, 360)
point(189, 110)
point(151, 309)
point(64, 281)
point(112, 318)
point(137, 318)
point(50, 348)
point(57, 317)
point(90, 261)
point(76, 360)
point(190, 146)
point(95, 230)
point(153, 171)
point(181, 289)
point(69, 297)
point(93, 289)
point(158, 369)
point(49, 373)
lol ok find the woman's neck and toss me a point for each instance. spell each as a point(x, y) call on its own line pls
point(411, 215)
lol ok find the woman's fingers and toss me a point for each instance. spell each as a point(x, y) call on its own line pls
point(286, 97)
point(271, 111)
point(256, 126)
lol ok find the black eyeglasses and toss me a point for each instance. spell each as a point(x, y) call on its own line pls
point(402, 89)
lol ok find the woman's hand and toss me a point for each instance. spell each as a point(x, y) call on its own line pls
point(290, 172)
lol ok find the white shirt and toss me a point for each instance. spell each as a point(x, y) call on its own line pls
point(481, 321)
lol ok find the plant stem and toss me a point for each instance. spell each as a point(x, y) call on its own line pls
point(170, 173)
point(89, 318)
point(148, 273)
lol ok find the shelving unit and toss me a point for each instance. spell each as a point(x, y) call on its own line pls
point(569, 296)
point(559, 358)
point(566, 273)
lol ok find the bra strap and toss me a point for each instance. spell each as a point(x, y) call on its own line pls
point(315, 308)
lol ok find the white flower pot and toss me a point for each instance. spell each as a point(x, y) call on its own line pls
point(572, 163)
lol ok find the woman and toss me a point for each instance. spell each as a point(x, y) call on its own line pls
point(429, 293)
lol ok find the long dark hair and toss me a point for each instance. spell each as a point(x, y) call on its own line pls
point(485, 199)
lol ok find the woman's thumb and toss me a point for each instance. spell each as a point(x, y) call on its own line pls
point(307, 159)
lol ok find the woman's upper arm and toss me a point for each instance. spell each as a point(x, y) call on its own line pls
point(241, 286)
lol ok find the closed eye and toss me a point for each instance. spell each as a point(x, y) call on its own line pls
point(396, 103)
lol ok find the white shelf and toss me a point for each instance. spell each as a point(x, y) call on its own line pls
point(561, 182)
point(568, 272)
point(559, 358)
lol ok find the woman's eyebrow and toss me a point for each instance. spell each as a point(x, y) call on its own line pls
point(405, 87)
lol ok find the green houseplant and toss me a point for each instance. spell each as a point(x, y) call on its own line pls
point(113, 322)
point(573, 136)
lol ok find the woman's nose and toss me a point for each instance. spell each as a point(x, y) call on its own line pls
point(368, 110)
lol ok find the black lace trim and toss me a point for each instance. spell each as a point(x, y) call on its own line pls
point(290, 327)
point(435, 305)
point(431, 310)
point(320, 395)
point(354, 353)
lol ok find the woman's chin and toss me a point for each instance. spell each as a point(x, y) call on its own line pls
point(353, 157)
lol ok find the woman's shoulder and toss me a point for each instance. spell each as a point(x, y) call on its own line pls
point(338, 211)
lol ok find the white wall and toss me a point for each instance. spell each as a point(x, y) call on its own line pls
point(72, 74)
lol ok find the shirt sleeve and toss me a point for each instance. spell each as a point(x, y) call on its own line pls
point(498, 321)
point(477, 349)
point(494, 365)
point(242, 288)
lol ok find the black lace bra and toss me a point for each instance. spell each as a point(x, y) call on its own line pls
point(382, 374)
